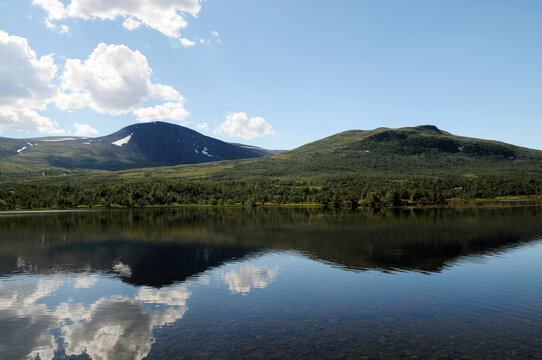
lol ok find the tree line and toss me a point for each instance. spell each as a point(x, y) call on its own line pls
point(334, 192)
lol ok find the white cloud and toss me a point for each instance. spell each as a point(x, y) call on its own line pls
point(112, 80)
point(203, 126)
point(187, 43)
point(27, 120)
point(84, 130)
point(62, 29)
point(25, 86)
point(165, 92)
point(170, 111)
point(55, 9)
point(240, 125)
point(24, 77)
point(131, 23)
point(116, 80)
point(165, 16)
point(216, 36)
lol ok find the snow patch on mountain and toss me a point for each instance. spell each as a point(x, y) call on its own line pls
point(58, 140)
point(205, 152)
point(123, 141)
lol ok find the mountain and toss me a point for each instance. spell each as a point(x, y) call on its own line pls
point(383, 152)
point(135, 146)
point(394, 154)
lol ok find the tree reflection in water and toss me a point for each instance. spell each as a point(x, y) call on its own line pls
point(100, 284)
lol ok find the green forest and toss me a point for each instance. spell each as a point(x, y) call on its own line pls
point(419, 166)
point(340, 192)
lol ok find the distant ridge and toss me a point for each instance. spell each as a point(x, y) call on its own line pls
point(181, 153)
point(384, 152)
point(135, 146)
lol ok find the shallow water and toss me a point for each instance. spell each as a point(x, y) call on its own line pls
point(271, 283)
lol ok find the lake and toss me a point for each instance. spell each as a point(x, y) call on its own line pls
point(272, 283)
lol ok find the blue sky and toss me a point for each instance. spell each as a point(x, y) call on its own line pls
point(274, 73)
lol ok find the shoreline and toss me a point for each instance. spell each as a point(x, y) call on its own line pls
point(478, 203)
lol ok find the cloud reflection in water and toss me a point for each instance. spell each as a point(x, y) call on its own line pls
point(243, 279)
point(39, 317)
point(113, 327)
point(25, 324)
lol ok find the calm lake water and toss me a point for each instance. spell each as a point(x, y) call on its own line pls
point(272, 283)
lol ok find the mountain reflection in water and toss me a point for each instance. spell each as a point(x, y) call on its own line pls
point(100, 284)
point(164, 247)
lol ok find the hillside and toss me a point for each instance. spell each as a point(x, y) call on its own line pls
point(392, 153)
point(135, 146)
point(422, 151)
point(384, 167)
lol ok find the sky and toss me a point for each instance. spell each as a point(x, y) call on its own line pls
point(272, 73)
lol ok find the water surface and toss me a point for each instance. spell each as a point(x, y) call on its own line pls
point(271, 283)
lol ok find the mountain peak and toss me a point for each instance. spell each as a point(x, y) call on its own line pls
point(432, 128)
point(152, 127)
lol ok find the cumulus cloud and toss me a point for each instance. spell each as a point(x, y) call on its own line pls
point(165, 16)
point(239, 124)
point(131, 23)
point(27, 120)
point(84, 130)
point(171, 111)
point(116, 80)
point(25, 86)
point(203, 126)
point(55, 9)
point(113, 80)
